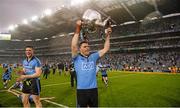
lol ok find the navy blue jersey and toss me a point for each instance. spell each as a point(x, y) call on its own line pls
point(103, 72)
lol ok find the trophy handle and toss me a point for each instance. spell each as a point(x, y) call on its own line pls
point(107, 22)
point(84, 35)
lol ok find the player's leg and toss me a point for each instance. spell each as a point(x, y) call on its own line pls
point(36, 99)
point(25, 100)
point(4, 80)
point(72, 80)
point(54, 70)
point(46, 74)
point(36, 88)
point(5, 83)
point(93, 95)
point(82, 99)
point(104, 79)
point(59, 71)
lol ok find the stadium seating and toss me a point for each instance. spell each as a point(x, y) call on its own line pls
point(142, 46)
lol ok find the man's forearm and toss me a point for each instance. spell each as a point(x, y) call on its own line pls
point(35, 75)
point(76, 35)
point(107, 43)
point(22, 77)
point(75, 39)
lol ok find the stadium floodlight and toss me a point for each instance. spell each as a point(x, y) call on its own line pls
point(129, 22)
point(16, 40)
point(62, 35)
point(11, 27)
point(154, 18)
point(48, 12)
point(37, 39)
point(77, 2)
point(27, 40)
point(54, 36)
point(114, 25)
point(34, 18)
point(140, 20)
point(72, 33)
point(15, 25)
point(25, 21)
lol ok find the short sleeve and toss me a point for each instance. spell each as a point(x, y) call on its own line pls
point(38, 63)
point(95, 55)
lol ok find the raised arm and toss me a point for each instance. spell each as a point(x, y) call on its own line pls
point(75, 39)
point(107, 42)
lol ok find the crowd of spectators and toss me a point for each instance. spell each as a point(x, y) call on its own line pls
point(152, 61)
point(171, 24)
point(57, 50)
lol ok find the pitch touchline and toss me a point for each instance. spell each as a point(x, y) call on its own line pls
point(43, 99)
point(3, 90)
point(120, 76)
point(56, 84)
point(56, 103)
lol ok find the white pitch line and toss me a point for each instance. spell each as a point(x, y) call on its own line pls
point(16, 91)
point(47, 98)
point(56, 103)
point(56, 84)
point(120, 76)
point(61, 84)
point(69, 82)
point(43, 99)
point(3, 90)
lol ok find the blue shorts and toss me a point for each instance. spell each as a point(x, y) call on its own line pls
point(104, 75)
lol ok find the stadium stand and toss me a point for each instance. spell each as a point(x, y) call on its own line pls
point(150, 43)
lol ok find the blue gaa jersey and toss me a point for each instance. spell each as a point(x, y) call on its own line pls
point(103, 72)
point(85, 68)
point(6, 75)
point(30, 65)
point(10, 70)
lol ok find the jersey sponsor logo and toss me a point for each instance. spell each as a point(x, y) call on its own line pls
point(87, 66)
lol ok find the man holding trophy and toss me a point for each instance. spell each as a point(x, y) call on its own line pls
point(85, 61)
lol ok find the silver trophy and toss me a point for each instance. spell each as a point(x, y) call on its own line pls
point(91, 22)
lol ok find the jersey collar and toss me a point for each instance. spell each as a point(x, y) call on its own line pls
point(30, 59)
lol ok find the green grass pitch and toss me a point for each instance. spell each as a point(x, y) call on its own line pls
point(125, 90)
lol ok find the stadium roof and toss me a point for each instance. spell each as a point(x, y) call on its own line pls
point(62, 21)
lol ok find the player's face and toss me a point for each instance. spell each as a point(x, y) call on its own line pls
point(84, 49)
point(29, 52)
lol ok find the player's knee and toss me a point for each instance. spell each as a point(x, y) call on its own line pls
point(38, 103)
point(25, 102)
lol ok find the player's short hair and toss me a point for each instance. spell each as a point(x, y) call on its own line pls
point(82, 43)
point(29, 47)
